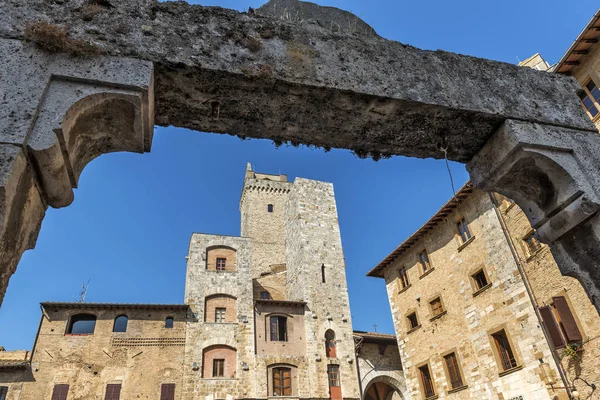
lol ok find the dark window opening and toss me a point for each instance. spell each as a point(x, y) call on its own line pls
point(505, 352)
point(220, 315)
point(270, 208)
point(120, 324)
point(113, 392)
point(169, 323)
point(3, 392)
point(264, 295)
point(221, 264)
point(167, 391)
point(60, 392)
point(436, 306)
point(402, 274)
point(424, 261)
point(590, 96)
point(218, 368)
point(413, 322)
point(463, 230)
point(82, 324)
point(323, 273)
point(453, 370)
point(426, 381)
point(480, 279)
point(330, 349)
point(278, 329)
point(282, 381)
point(333, 373)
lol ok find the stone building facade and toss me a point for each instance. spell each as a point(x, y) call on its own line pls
point(466, 326)
point(265, 315)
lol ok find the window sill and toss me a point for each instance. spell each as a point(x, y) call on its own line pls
point(435, 396)
point(413, 329)
point(405, 288)
point(510, 371)
point(465, 244)
point(458, 389)
point(510, 206)
point(79, 334)
point(427, 273)
point(531, 256)
point(440, 315)
point(219, 379)
point(220, 272)
point(483, 289)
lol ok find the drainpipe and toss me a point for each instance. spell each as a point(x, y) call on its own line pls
point(521, 270)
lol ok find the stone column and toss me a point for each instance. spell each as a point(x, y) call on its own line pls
point(553, 174)
point(57, 113)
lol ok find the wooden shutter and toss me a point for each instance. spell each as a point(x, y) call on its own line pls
point(167, 391)
point(552, 327)
point(113, 391)
point(568, 321)
point(453, 370)
point(287, 381)
point(60, 392)
point(277, 382)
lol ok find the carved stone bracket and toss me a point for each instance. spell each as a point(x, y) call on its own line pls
point(553, 174)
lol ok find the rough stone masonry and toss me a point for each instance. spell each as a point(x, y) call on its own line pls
point(80, 78)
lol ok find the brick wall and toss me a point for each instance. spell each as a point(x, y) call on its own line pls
point(220, 301)
point(219, 352)
point(220, 252)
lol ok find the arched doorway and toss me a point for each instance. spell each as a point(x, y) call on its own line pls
point(383, 388)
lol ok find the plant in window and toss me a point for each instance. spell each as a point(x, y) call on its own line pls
point(572, 351)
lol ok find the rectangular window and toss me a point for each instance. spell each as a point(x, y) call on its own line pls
point(413, 322)
point(533, 245)
point(436, 306)
point(566, 320)
point(167, 391)
point(221, 264)
point(552, 327)
point(480, 279)
point(278, 329)
point(282, 381)
point(3, 392)
point(264, 295)
point(505, 352)
point(424, 261)
point(113, 391)
point(218, 368)
point(456, 380)
point(426, 381)
point(590, 98)
point(333, 372)
point(402, 274)
point(60, 392)
point(463, 230)
point(220, 315)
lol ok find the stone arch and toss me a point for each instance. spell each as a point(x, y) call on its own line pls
point(220, 300)
point(215, 254)
point(218, 341)
point(386, 383)
point(228, 356)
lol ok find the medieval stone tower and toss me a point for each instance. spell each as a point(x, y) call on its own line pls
point(271, 314)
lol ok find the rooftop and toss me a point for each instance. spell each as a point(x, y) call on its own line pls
point(429, 225)
point(580, 47)
point(87, 306)
point(376, 337)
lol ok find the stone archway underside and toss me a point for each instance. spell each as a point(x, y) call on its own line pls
point(217, 70)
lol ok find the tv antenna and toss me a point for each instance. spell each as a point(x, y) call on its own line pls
point(83, 292)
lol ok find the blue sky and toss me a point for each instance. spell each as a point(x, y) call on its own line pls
point(129, 226)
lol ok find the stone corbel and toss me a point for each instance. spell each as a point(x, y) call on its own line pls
point(79, 120)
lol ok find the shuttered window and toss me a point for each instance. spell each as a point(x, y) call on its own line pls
point(453, 370)
point(3, 392)
point(590, 98)
point(60, 392)
point(113, 391)
point(426, 381)
point(167, 391)
point(424, 261)
point(552, 327)
point(505, 352)
point(218, 368)
point(567, 320)
point(463, 230)
point(436, 306)
point(333, 373)
point(282, 381)
point(402, 274)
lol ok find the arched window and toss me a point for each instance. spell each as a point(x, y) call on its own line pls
point(220, 308)
point(120, 323)
point(264, 295)
point(169, 323)
point(220, 258)
point(270, 208)
point(282, 381)
point(219, 361)
point(330, 343)
point(82, 324)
